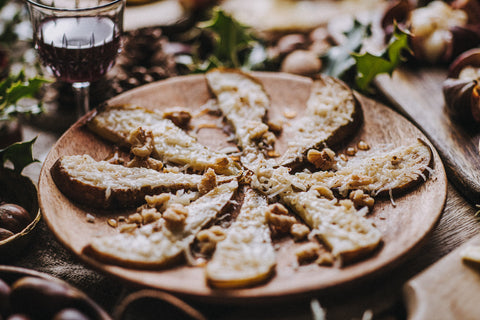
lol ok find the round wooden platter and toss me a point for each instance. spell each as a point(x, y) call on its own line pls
point(404, 223)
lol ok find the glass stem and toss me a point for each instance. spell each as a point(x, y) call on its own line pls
point(81, 91)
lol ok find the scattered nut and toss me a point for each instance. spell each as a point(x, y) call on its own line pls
point(127, 228)
point(362, 145)
point(208, 239)
point(112, 223)
point(208, 182)
point(323, 160)
point(135, 218)
point(351, 151)
point(150, 215)
point(279, 219)
point(308, 252)
point(360, 199)
point(175, 216)
point(299, 231)
point(325, 259)
point(181, 118)
point(324, 192)
point(158, 200)
point(275, 125)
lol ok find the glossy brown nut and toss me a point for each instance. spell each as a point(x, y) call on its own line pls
point(4, 293)
point(468, 58)
point(45, 297)
point(462, 99)
point(5, 234)
point(70, 314)
point(14, 217)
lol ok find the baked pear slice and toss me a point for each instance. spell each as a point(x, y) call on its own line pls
point(246, 257)
point(104, 185)
point(344, 229)
point(332, 113)
point(377, 171)
point(243, 102)
point(171, 143)
point(162, 242)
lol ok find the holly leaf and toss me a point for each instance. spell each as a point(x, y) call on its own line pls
point(13, 89)
point(19, 154)
point(368, 65)
point(338, 60)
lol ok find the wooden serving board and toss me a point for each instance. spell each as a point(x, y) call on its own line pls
point(404, 226)
point(417, 94)
point(447, 290)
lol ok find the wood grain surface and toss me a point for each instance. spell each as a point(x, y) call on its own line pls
point(447, 290)
point(417, 94)
point(405, 226)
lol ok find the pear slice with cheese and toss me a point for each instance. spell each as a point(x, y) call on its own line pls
point(105, 185)
point(377, 171)
point(332, 113)
point(345, 230)
point(171, 143)
point(162, 242)
point(246, 257)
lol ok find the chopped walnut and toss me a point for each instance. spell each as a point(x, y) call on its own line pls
point(362, 145)
point(275, 125)
point(324, 192)
point(141, 142)
point(323, 160)
point(299, 231)
point(208, 239)
point(357, 180)
point(175, 216)
point(208, 182)
point(346, 203)
point(351, 151)
point(127, 228)
point(308, 252)
point(256, 130)
point(360, 199)
point(181, 118)
point(112, 223)
point(148, 163)
point(279, 219)
point(150, 215)
point(135, 218)
point(221, 162)
point(325, 259)
point(158, 200)
point(289, 114)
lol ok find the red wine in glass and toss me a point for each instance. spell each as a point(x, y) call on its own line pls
point(78, 49)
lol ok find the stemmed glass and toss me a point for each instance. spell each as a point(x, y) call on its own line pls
point(77, 40)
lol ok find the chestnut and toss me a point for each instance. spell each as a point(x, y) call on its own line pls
point(70, 314)
point(14, 217)
point(36, 296)
point(461, 89)
point(4, 294)
point(5, 234)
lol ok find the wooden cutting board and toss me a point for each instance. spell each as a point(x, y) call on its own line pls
point(455, 283)
point(417, 93)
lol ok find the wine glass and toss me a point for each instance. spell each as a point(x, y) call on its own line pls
point(77, 40)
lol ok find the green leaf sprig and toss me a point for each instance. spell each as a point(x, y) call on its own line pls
point(368, 65)
point(20, 154)
point(234, 45)
point(13, 89)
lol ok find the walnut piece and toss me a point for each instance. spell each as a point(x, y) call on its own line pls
point(308, 252)
point(299, 231)
point(208, 239)
point(158, 200)
point(181, 118)
point(208, 182)
point(279, 219)
point(141, 142)
point(360, 199)
point(175, 216)
point(323, 160)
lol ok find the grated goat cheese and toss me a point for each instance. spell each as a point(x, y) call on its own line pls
point(171, 143)
point(246, 256)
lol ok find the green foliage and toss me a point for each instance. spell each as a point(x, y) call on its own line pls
point(338, 60)
point(19, 154)
point(234, 45)
point(368, 65)
point(13, 89)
